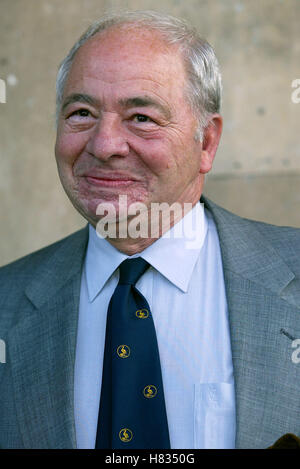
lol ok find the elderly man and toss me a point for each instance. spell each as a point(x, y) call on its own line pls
point(148, 341)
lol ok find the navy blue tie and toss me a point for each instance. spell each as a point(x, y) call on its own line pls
point(132, 411)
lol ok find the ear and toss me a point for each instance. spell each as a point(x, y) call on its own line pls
point(210, 142)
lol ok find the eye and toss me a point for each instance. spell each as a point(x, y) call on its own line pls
point(81, 113)
point(141, 118)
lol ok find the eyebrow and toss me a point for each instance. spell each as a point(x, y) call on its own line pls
point(79, 98)
point(136, 101)
point(145, 101)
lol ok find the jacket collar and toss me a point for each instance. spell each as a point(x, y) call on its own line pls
point(64, 262)
point(246, 252)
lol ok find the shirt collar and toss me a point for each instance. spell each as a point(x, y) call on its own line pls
point(174, 255)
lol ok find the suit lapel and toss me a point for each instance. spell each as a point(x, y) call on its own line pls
point(263, 321)
point(42, 348)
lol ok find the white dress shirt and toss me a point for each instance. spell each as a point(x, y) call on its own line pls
point(184, 287)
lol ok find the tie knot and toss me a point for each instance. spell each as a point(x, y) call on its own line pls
point(131, 270)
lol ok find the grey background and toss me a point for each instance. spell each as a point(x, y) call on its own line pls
point(257, 168)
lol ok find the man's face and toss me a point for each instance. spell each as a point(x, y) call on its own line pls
point(126, 127)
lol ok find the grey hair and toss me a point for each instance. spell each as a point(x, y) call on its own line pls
point(203, 75)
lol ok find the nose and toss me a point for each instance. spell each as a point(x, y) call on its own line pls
point(108, 138)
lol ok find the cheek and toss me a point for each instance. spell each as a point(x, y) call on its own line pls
point(69, 147)
point(156, 155)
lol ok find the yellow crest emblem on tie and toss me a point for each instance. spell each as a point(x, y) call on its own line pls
point(125, 435)
point(150, 391)
point(142, 313)
point(123, 351)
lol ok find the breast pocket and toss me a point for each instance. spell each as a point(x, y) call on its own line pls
point(214, 416)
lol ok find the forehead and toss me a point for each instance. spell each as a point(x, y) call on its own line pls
point(123, 54)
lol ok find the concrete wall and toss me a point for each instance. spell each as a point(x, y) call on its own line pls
point(257, 168)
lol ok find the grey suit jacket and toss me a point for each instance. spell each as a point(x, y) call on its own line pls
point(39, 301)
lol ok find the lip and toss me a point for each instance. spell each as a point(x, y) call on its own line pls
point(109, 180)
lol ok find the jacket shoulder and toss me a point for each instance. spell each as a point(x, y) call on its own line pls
point(44, 270)
point(273, 232)
point(27, 264)
point(285, 240)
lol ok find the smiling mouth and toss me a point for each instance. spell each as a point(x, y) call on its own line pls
point(116, 181)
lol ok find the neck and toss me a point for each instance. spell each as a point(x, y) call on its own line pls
point(134, 235)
